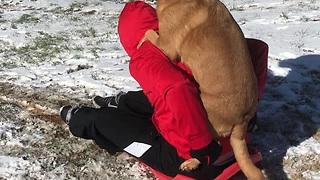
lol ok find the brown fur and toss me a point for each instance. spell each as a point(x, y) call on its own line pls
point(209, 41)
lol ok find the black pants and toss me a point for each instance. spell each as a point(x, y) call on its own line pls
point(114, 129)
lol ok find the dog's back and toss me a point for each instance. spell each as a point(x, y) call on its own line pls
point(217, 54)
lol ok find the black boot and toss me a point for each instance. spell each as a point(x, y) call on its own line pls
point(109, 101)
point(66, 112)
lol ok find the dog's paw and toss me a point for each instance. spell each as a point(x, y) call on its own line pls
point(190, 164)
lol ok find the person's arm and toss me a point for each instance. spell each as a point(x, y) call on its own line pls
point(150, 67)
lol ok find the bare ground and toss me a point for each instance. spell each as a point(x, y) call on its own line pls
point(46, 145)
point(45, 142)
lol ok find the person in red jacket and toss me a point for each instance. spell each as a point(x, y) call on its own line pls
point(164, 125)
point(179, 115)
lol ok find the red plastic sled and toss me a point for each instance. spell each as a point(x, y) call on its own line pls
point(230, 171)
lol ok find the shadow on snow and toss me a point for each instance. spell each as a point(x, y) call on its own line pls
point(287, 113)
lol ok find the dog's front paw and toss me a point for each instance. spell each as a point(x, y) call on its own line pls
point(190, 164)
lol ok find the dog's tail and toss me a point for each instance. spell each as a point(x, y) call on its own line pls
point(241, 153)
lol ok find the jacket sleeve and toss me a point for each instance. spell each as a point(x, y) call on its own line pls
point(150, 67)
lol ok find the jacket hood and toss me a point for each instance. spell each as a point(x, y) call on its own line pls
point(135, 19)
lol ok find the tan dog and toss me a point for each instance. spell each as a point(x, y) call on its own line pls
point(209, 41)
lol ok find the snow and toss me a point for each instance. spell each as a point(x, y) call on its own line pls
point(71, 48)
point(12, 165)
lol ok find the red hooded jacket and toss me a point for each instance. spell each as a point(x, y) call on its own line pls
point(179, 115)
